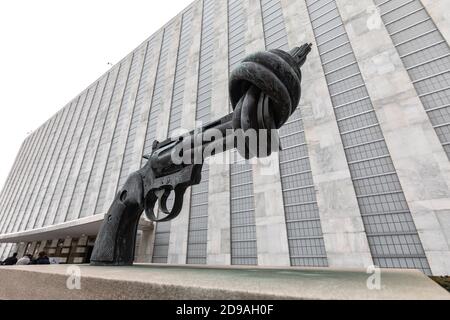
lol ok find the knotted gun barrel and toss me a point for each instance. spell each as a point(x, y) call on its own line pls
point(265, 90)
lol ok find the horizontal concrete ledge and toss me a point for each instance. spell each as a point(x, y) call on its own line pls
point(86, 226)
point(154, 282)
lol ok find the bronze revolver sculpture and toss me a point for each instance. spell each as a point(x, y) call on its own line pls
point(265, 91)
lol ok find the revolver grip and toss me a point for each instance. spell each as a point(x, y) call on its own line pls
point(117, 237)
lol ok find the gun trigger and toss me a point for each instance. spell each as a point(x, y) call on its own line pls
point(162, 196)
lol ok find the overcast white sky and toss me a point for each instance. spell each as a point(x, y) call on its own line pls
point(50, 50)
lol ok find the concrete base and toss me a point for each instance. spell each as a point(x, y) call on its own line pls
point(185, 283)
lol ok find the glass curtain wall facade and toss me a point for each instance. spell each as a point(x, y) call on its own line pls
point(391, 232)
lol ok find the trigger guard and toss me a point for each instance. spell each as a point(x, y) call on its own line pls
point(172, 214)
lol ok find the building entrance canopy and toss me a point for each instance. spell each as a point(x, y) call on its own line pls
point(74, 229)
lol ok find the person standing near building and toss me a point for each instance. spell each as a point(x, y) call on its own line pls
point(25, 260)
point(41, 259)
point(11, 260)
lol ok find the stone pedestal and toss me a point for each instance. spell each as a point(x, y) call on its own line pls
point(218, 283)
point(144, 248)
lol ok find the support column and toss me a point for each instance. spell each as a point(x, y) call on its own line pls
point(179, 226)
point(342, 226)
point(31, 248)
point(439, 10)
point(42, 246)
point(14, 249)
point(271, 233)
point(171, 64)
point(145, 249)
point(132, 87)
point(142, 128)
point(219, 248)
point(421, 164)
point(166, 78)
point(21, 249)
point(102, 158)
